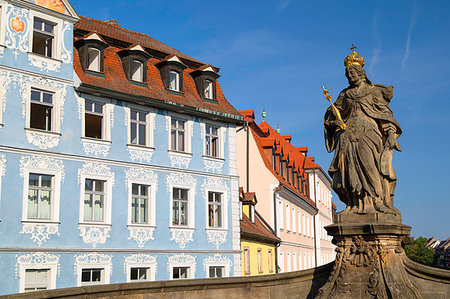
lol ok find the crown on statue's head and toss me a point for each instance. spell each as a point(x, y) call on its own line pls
point(353, 58)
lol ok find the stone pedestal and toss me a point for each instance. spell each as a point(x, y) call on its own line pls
point(368, 261)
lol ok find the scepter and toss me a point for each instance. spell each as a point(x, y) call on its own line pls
point(335, 110)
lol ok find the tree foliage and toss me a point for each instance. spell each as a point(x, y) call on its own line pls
point(419, 253)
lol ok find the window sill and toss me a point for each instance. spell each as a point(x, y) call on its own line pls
point(175, 92)
point(39, 221)
point(206, 157)
point(140, 225)
point(179, 153)
point(211, 101)
point(138, 146)
point(50, 133)
point(98, 224)
point(179, 227)
point(101, 141)
point(219, 229)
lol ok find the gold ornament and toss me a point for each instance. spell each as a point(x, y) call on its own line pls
point(353, 58)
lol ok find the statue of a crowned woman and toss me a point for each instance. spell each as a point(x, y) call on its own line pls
point(361, 169)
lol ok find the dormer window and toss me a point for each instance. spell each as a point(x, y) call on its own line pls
point(209, 90)
point(137, 71)
point(91, 51)
point(171, 70)
point(174, 80)
point(205, 81)
point(43, 37)
point(94, 61)
point(134, 61)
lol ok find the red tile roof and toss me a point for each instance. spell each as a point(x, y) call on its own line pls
point(115, 80)
point(259, 230)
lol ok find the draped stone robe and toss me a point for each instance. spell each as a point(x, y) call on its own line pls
point(362, 166)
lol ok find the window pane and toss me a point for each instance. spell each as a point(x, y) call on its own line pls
point(137, 71)
point(88, 105)
point(181, 141)
point(33, 179)
point(40, 116)
point(37, 24)
point(98, 108)
point(86, 275)
point(141, 134)
point(135, 189)
point(134, 133)
point(175, 213)
point(183, 213)
point(46, 181)
point(93, 126)
point(98, 207)
point(218, 216)
point(173, 138)
point(134, 210)
point(35, 95)
point(87, 207)
point(32, 204)
point(173, 81)
point(47, 97)
point(184, 194)
point(48, 28)
point(45, 205)
point(94, 59)
point(144, 190)
point(96, 275)
point(142, 116)
point(143, 211)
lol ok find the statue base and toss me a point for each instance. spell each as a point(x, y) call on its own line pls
point(368, 262)
point(351, 217)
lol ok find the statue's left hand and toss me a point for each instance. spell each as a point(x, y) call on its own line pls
point(391, 142)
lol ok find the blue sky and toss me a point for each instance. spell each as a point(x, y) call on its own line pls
point(277, 54)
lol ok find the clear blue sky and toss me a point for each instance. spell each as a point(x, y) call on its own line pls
point(279, 53)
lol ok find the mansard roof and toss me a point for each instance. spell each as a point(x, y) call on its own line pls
point(115, 84)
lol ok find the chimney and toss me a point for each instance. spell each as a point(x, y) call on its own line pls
point(113, 22)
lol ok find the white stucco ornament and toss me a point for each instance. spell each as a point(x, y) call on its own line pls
point(94, 235)
point(40, 232)
point(140, 234)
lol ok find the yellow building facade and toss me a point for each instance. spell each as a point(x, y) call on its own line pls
point(258, 240)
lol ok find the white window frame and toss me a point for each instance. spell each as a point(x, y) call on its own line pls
point(225, 199)
point(225, 264)
point(102, 276)
point(106, 122)
point(107, 198)
point(189, 263)
point(304, 224)
point(3, 8)
point(281, 261)
point(57, 32)
point(55, 194)
point(56, 113)
point(270, 260)
point(99, 59)
point(294, 224)
point(52, 267)
point(151, 274)
point(93, 261)
point(141, 70)
point(260, 260)
point(151, 202)
point(177, 81)
point(280, 214)
point(189, 123)
point(299, 222)
point(191, 205)
point(300, 264)
point(288, 262)
point(150, 125)
point(220, 139)
point(209, 85)
point(246, 259)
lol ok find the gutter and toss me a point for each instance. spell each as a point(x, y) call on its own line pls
point(278, 189)
point(180, 108)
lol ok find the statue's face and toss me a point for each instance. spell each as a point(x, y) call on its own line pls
point(353, 75)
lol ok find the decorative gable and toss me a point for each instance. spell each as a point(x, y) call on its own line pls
point(61, 6)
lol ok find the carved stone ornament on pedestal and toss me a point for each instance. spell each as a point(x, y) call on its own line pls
point(362, 132)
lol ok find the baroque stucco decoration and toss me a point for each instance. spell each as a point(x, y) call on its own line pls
point(182, 259)
point(217, 237)
point(96, 148)
point(93, 259)
point(40, 232)
point(41, 163)
point(18, 29)
point(140, 154)
point(217, 260)
point(212, 165)
point(179, 160)
point(142, 260)
point(140, 234)
point(44, 64)
point(41, 259)
point(100, 169)
point(182, 236)
point(2, 165)
point(93, 234)
point(42, 140)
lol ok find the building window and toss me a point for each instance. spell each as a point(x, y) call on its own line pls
point(138, 127)
point(40, 194)
point(281, 165)
point(43, 37)
point(177, 140)
point(215, 208)
point(212, 141)
point(37, 280)
point(92, 276)
point(209, 92)
point(180, 272)
point(136, 70)
point(94, 59)
point(216, 271)
point(94, 200)
point(41, 114)
point(288, 217)
point(93, 120)
point(180, 206)
point(174, 80)
point(137, 274)
point(139, 203)
point(260, 266)
point(294, 224)
point(247, 260)
point(270, 260)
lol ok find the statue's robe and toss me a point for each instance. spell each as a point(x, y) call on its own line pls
point(362, 166)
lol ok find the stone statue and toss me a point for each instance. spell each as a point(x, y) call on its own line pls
point(362, 132)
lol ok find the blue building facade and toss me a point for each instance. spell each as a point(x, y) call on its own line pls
point(122, 170)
